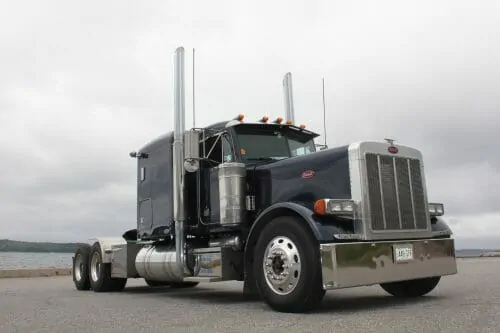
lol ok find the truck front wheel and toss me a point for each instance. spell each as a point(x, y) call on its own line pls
point(100, 273)
point(287, 266)
point(411, 288)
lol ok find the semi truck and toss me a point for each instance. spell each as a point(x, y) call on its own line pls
point(262, 203)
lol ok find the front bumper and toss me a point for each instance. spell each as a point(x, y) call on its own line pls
point(347, 265)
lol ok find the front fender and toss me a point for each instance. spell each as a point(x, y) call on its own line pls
point(440, 227)
point(322, 230)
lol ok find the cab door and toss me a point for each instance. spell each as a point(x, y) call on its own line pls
point(144, 204)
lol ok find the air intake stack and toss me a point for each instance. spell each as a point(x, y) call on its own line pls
point(288, 95)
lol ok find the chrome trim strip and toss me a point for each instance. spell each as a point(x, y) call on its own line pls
point(379, 167)
point(397, 191)
point(411, 194)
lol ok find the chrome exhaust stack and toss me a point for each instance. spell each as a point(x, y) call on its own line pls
point(162, 262)
point(288, 95)
point(178, 160)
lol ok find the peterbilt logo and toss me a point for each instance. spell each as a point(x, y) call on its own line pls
point(308, 174)
point(393, 150)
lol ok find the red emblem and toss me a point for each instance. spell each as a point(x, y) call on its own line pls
point(393, 150)
point(308, 174)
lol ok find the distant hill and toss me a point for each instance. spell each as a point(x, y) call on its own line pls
point(7, 245)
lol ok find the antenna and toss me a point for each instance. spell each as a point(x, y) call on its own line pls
point(324, 111)
point(194, 113)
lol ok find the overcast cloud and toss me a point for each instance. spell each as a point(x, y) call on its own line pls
point(83, 83)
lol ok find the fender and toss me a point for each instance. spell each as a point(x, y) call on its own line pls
point(322, 230)
point(109, 245)
point(440, 228)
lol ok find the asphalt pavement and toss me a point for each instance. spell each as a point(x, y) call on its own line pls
point(467, 302)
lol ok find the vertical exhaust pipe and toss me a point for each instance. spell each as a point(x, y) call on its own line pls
point(178, 160)
point(288, 95)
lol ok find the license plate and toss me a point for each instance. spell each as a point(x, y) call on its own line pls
point(403, 252)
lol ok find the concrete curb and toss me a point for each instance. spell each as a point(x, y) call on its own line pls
point(31, 273)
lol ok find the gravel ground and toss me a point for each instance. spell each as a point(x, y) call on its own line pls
point(467, 302)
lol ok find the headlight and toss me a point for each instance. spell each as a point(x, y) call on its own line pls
point(340, 207)
point(436, 209)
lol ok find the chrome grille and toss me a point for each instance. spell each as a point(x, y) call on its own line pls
point(395, 193)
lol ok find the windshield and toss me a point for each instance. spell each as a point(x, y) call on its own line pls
point(275, 144)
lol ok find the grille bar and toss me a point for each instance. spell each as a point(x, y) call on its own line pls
point(395, 193)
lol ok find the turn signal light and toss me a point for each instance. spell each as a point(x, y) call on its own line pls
point(339, 207)
point(320, 207)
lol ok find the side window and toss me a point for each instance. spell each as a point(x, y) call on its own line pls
point(227, 151)
point(214, 148)
point(301, 151)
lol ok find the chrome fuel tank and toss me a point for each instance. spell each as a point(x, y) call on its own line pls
point(232, 188)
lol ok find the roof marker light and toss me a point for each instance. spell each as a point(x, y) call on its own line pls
point(264, 119)
point(279, 120)
point(289, 122)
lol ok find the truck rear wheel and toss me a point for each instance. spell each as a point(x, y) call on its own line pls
point(81, 267)
point(411, 288)
point(100, 273)
point(287, 266)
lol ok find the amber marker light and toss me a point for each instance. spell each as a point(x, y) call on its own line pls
point(240, 117)
point(264, 119)
point(302, 126)
point(320, 207)
point(279, 120)
point(289, 122)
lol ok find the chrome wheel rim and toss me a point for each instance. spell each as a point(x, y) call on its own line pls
point(95, 266)
point(78, 267)
point(282, 265)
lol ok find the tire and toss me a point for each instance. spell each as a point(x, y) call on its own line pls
point(100, 273)
point(411, 288)
point(291, 238)
point(80, 271)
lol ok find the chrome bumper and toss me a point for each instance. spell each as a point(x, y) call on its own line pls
point(347, 265)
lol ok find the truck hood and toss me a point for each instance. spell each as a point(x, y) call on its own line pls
point(303, 179)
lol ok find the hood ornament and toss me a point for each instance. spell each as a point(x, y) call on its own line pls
point(390, 141)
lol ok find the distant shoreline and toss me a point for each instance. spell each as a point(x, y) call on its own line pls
point(12, 246)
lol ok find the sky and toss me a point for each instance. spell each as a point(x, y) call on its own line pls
point(83, 83)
